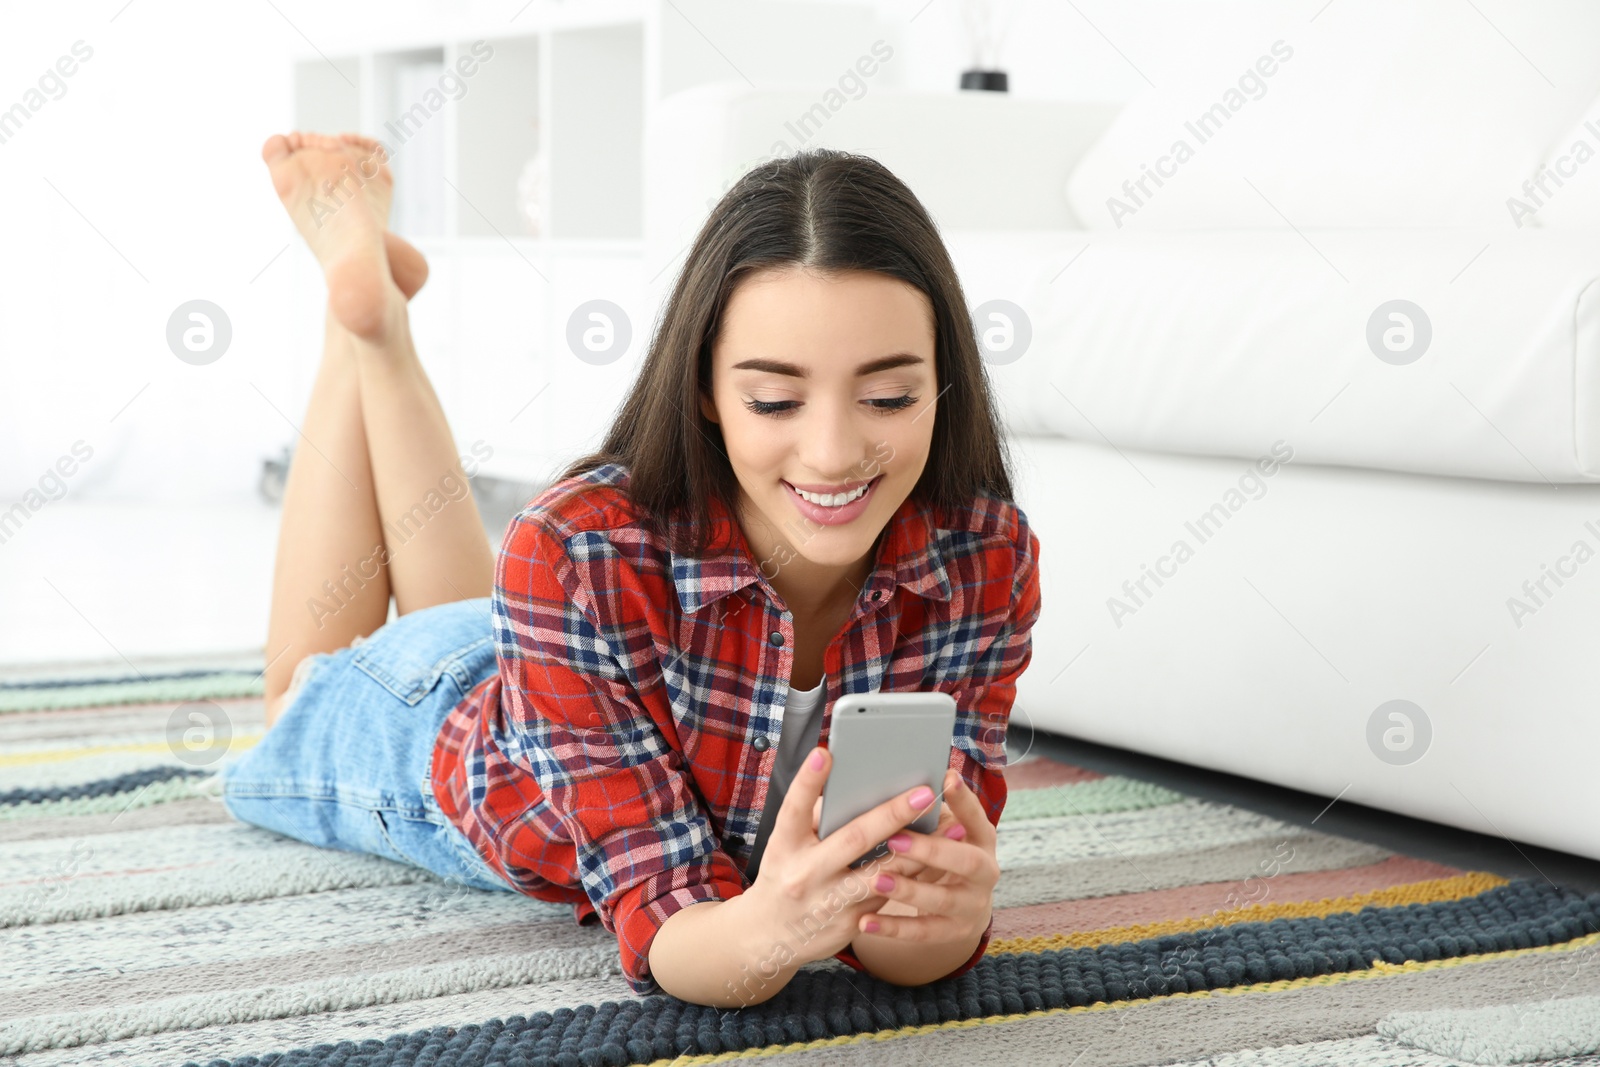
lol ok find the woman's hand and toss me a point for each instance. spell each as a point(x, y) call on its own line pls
point(898, 863)
point(806, 890)
point(947, 876)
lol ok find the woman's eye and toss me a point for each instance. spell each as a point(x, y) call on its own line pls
point(893, 403)
point(780, 407)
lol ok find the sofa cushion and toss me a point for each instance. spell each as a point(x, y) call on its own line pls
point(1565, 191)
point(1220, 343)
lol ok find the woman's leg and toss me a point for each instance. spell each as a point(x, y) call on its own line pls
point(438, 548)
point(328, 582)
point(363, 518)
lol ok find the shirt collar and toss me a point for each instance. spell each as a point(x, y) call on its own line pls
point(908, 556)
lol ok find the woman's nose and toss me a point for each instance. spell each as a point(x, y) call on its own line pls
point(834, 444)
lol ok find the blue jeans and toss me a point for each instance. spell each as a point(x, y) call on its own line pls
point(348, 763)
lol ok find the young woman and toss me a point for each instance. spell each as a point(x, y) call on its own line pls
point(805, 494)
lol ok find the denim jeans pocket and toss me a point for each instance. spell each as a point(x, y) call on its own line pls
point(410, 655)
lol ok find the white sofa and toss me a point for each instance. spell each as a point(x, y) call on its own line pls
point(1256, 534)
point(1359, 529)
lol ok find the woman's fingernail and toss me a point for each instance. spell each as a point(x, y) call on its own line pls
point(884, 884)
point(900, 843)
point(956, 832)
point(816, 760)
point(872, 926)
point(922, 797)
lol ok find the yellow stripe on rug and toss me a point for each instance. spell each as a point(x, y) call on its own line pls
point(57, 755)
point(1440, 889)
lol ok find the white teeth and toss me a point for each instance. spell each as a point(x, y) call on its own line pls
point(831, 500)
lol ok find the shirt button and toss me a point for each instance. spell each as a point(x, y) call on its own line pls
point(877, 593)
point(761, 744)
point(776, 637)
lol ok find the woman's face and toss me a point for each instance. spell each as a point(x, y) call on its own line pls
point(823, 383)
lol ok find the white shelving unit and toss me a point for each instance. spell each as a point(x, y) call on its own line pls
point(573, 85)
point(464, 101)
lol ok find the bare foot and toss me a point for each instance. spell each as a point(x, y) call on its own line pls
point(337, 191)
point(406, 264)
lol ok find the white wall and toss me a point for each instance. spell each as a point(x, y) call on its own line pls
point(139, 188)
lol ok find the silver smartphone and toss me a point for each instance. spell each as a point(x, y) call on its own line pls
point(882, 745)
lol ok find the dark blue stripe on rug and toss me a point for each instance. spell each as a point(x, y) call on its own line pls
point(122, 783)
point(816, 1005)
point(65, 683)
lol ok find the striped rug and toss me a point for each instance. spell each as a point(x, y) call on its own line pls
point(140, 924)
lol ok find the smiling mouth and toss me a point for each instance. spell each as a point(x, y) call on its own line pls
point(833, 500)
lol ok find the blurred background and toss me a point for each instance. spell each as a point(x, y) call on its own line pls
point(136, 185)
point(1307, 288)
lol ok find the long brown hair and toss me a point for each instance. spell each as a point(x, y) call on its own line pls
point(829, 211)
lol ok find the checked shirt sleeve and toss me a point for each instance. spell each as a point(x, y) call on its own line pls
point(985, 695)
point(566, 635)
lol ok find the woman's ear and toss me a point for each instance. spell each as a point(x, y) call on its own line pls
point(707, 408)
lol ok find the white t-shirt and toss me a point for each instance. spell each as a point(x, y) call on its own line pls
point(802, 724)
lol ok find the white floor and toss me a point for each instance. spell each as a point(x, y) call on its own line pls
point(113, 582)
point(125, 584)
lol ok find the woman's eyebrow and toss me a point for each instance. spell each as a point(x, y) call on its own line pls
point(778, 366)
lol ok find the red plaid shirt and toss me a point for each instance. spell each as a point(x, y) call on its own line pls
point(609, 762)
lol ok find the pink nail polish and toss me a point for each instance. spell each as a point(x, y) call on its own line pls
point(884, 884)
point(956, 832)
point(872, 926)
point(922, 797)
point(816, 760)
point(900, 842)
